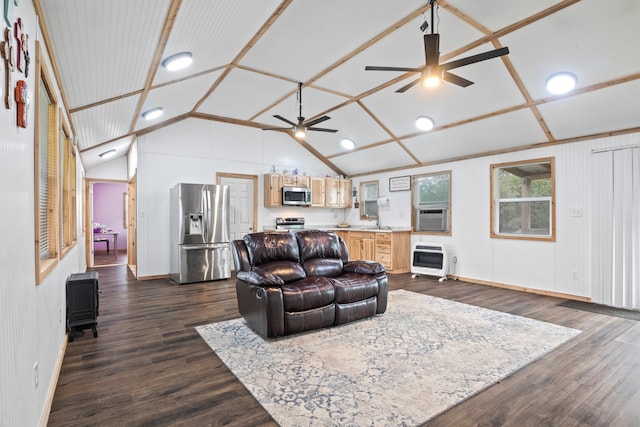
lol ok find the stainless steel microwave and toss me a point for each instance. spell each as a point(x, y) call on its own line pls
point(296, 196)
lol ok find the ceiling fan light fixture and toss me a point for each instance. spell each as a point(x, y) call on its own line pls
point(154, 113)
point(348, 143)
point(108, 153)
point(178, 61)
point(299, 131)
point(561, 83)
point(425, 123)
point(432, 77)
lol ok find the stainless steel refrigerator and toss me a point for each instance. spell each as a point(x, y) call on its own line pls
point(200, 243)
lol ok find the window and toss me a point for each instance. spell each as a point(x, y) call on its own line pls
point(431, 206)
point(46, 171)
point(522, 195)
point(68, 185)
point(369, 200)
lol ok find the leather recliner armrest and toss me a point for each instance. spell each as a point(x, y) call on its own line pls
point(259, 279)
point(364, 267)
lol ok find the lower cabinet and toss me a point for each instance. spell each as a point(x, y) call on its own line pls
point(361, 245)
point(392, 249)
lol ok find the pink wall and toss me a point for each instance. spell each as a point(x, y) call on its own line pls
point(108, 209)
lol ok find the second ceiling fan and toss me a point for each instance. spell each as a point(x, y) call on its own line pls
point(433, 73)
point(300, 129)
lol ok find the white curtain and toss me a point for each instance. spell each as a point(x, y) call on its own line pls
point(616, 228)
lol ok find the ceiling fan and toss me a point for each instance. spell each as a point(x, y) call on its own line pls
point(434, 73)
point(300, 129)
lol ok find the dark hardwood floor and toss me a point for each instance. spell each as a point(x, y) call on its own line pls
point(149, 366)
point(101, 258)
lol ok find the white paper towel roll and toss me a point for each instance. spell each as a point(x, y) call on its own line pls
point(384, 201)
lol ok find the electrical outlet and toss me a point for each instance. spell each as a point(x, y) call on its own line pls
point(454, 259)
point(574, 275)
point(575, 212)
point(35, 374)
point(59, 314)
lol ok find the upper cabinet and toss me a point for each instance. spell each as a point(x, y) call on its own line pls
point(337, 193)
point(295, 181)
point(325, 192)
point(317, 192)
point(272, 191)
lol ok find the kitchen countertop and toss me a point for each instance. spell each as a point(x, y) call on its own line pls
point(384, 229)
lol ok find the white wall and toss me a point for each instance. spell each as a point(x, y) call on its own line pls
point(193, 151)
point(115, 169)
point(546, 266)
point(31, 327)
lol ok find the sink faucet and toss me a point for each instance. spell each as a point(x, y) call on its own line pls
point(378, 224)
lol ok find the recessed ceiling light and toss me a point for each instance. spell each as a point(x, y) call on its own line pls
point(348, 143)
point(152, 114)
point(560, 83)
point(425, 123)
point(108, 153)
point(178, 61)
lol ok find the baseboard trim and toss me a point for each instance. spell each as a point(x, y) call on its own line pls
point(46, 410)
point(159, 276)
point(522, 289)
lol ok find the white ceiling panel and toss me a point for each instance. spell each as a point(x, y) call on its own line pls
point(382, 157)
point(577, 40)
point(213, 41)
point(172, 106)
point(330, 29)
point(92, 156)
point(497, 133)
point(243, 94)
point(498, 14)
point(352, 122)
point(105, 48)
point(594, 112)
point(104, 122)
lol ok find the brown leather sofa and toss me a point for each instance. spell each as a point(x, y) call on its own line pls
point(294, 282)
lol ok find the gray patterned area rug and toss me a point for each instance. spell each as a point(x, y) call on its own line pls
point(402, 368)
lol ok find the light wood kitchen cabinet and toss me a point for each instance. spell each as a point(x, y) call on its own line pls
point(272, 191)
point(337, 193)
point(393, 250)
point(317, 192)
point(362, 245)
point(344, 196)
point(295, 181)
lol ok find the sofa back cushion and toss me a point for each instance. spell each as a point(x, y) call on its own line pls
point(275, 253)
point(264, 248)
point(320, 252)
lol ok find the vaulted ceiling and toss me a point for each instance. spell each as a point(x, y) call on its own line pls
point(248, 57)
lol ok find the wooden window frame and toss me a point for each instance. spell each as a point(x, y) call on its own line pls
point(44, 266)
point(494, 216)
point(415, 187)
point(68, 197)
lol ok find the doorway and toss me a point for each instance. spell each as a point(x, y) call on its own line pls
point(107, 237)
point(242, 204)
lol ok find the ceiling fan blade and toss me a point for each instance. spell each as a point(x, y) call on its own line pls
point(456, 80)
point(283, 119)
point(475, 58)
point(407, 86)
point(316, 121)
point(431, 49)
point(323, 130)
point(380, 68)
point(276, 128)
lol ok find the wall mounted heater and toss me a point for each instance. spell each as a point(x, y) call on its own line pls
point(429, 259)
